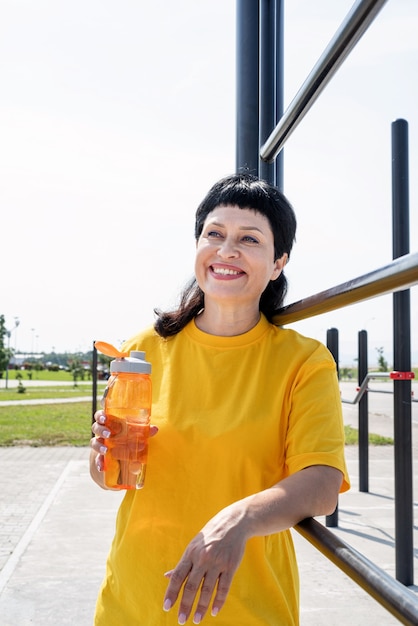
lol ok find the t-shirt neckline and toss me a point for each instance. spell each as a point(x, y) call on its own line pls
point(234, 341)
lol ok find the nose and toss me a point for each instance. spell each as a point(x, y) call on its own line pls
point(227, 249)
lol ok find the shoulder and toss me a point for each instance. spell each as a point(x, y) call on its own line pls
point(149, 341)
point(291, 341)
point(147, 336)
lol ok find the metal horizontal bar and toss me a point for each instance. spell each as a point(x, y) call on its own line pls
point(361, 391)
point(390, 593)
point(351, 30)
point(400, 274)
point(364, 387)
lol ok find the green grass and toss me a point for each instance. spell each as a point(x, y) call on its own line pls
point(351, 438)
point(41, 375)
point(54, 391)
point(46, 425)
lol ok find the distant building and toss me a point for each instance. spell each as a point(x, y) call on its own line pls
point(17, 361)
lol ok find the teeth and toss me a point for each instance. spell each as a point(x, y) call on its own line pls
point(225, 271)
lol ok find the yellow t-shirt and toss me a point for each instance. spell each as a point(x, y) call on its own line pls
point(235, 416)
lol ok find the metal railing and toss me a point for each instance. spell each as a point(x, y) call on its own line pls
point(401, 274)
point(391, 594)
point(350, 32)
point(395, 278)
point(364, 387)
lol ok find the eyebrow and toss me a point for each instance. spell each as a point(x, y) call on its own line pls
point(240, 227)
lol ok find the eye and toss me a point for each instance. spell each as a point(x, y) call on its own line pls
point(214, 234)
point(250, 239)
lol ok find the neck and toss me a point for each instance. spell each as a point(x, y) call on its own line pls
point(227, 323)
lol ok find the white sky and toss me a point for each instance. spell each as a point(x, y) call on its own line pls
point(117, 117)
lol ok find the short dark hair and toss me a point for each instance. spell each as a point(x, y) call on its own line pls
point(247, 192)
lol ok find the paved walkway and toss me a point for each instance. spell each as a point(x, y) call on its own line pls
point(56, 526)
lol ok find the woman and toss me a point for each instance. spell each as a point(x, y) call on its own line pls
point(250, 436)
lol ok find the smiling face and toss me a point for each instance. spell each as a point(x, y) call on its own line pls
point(235, 256)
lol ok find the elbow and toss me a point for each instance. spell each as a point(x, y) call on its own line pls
point(327, 481)
point(331, 492)
point(324, 506)
point(331, 506)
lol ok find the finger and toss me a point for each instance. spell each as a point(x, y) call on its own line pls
point(177, 577)
point(101, 431)
point(99, 445)
point(99, 458)
point(206, 593)
point(100, 417)
point(153, 430)
point(190, 591)
point(100, 462)
point(222, 590)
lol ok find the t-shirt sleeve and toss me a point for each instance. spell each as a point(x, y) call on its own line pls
point(315, 433)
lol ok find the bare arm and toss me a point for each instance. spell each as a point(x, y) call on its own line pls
point(308, 493)
point(212, 557)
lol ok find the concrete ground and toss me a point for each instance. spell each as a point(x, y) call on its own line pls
point(56, 526)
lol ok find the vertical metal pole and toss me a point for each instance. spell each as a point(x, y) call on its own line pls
point(94, 379)
point(279, 86)
point(363, 414)
point(267, 82)
point(332, 345)
point(247, 146)
point(402, 362)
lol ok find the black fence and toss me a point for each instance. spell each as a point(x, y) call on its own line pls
point(262, 130)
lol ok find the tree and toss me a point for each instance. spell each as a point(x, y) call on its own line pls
point(76, 368)
point(4, 352)
point(381, 361)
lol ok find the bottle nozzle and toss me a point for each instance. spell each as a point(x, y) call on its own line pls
point(109, 350)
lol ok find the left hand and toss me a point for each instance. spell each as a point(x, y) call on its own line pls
point(208, 564)
point(212, 557)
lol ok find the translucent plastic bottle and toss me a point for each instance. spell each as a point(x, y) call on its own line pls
point(127, 406)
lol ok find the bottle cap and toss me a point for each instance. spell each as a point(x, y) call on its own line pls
point(135, 363)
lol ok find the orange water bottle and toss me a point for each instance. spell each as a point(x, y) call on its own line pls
point(127, 407)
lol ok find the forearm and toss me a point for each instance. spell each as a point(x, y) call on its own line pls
point(211, 558)
point(308, 493)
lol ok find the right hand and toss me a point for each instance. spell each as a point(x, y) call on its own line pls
point(102, 434)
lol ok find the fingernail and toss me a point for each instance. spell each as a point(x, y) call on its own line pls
point(214, 612)
point(167, 605)
point(102, 419)
point(197, 618)
point(106, 434)
point(103, 449)
point(182, 618)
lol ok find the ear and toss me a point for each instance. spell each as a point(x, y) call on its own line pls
point(279, 265)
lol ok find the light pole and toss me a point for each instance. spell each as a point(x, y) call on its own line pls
point(8, 333)
point(33, 336)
